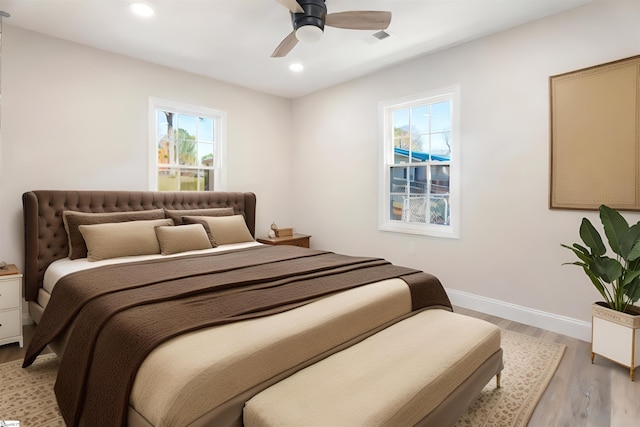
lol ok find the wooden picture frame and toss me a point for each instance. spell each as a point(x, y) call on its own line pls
point(595, 137)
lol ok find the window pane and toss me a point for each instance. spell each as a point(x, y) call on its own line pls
point(187, 151)
point(163, 152)
point(164, 137)
point(400, 155)
point(420, 148)
point(398, 180)
point(440, 179)
point(441, 116)
point(401, 135)
point(187, 124)
point(441, 144)
point(205, 129)
point(396, 208)
point(418, 181)
point(167, 179)
point(414, 209)
point(162, 131)
point(205, 154)
point(439, 210)
point(402, 140)
point(420, 119)
point(189, 180)
point(401, 120)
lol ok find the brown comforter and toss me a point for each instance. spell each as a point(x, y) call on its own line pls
point(122, 312)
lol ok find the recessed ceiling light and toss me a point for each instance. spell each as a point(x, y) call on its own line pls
point(296, 67)
point(142, 10)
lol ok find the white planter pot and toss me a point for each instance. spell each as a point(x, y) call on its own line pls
point(616, 336)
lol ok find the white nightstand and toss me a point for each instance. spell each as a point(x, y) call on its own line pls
point(10, 305)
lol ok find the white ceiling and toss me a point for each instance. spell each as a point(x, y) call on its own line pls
point(232, 40)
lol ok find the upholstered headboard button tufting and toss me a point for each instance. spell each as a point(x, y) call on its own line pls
point(46, 239)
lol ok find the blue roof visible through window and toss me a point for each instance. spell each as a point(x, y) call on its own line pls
point(421, 156)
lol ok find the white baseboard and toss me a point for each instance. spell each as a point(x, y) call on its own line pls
point(541, 319)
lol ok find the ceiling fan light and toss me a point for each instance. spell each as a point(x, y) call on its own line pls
point(142, 10)
point(296, 67)
point(308, 33)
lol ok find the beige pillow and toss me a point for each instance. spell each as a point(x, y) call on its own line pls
point(223, 230)
point(114, 240)
point(177, 214)
point(184, 238)
point(72, 220)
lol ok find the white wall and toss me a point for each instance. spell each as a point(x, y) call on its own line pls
point(509, 248)
point(75, 117)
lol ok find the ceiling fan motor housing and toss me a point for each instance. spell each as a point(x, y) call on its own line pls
point(314, 14)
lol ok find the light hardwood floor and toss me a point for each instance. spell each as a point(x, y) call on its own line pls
point(579, 395)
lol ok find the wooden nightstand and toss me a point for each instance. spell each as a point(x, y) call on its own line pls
point(301, 240)
point(10, 305)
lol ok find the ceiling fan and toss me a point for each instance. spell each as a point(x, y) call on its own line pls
point(310, 16)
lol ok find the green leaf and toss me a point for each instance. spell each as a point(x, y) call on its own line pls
point(630, 276)
point(631, 243)
point(615, 226)
point(581, 252)
point(598, 285)
point(608, 269)
point(580, 264)
point(581, 249)
point(632, 290)
point(591, 238)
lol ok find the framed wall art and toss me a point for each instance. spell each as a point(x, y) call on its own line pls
point(595, 137)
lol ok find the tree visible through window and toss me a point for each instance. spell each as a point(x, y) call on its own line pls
point(419, 193)
point(187, 145)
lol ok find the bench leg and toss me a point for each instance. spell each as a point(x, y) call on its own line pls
point(498, 375)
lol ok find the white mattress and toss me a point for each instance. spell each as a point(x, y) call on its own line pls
point(64, 266)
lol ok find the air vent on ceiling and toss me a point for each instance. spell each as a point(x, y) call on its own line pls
point(381, 35)
point(375, 37)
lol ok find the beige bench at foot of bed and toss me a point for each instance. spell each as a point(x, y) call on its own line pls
point(424, 370)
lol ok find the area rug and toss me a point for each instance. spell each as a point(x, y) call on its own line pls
point(26, 395)
point(529, 365)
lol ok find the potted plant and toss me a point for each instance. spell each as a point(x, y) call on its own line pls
point(615, 321)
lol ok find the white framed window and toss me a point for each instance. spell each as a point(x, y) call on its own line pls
point(187, 147)
point(419, 174)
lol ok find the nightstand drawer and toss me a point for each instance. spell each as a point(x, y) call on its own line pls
point(10, 325)
point(9, 293)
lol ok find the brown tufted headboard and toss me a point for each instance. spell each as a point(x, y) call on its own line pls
point(45, 236)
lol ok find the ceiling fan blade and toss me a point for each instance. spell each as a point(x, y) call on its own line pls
point(359, 20)
point(285, 45)
point(292, 5)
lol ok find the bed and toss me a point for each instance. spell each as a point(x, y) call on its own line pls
point(177, 336)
